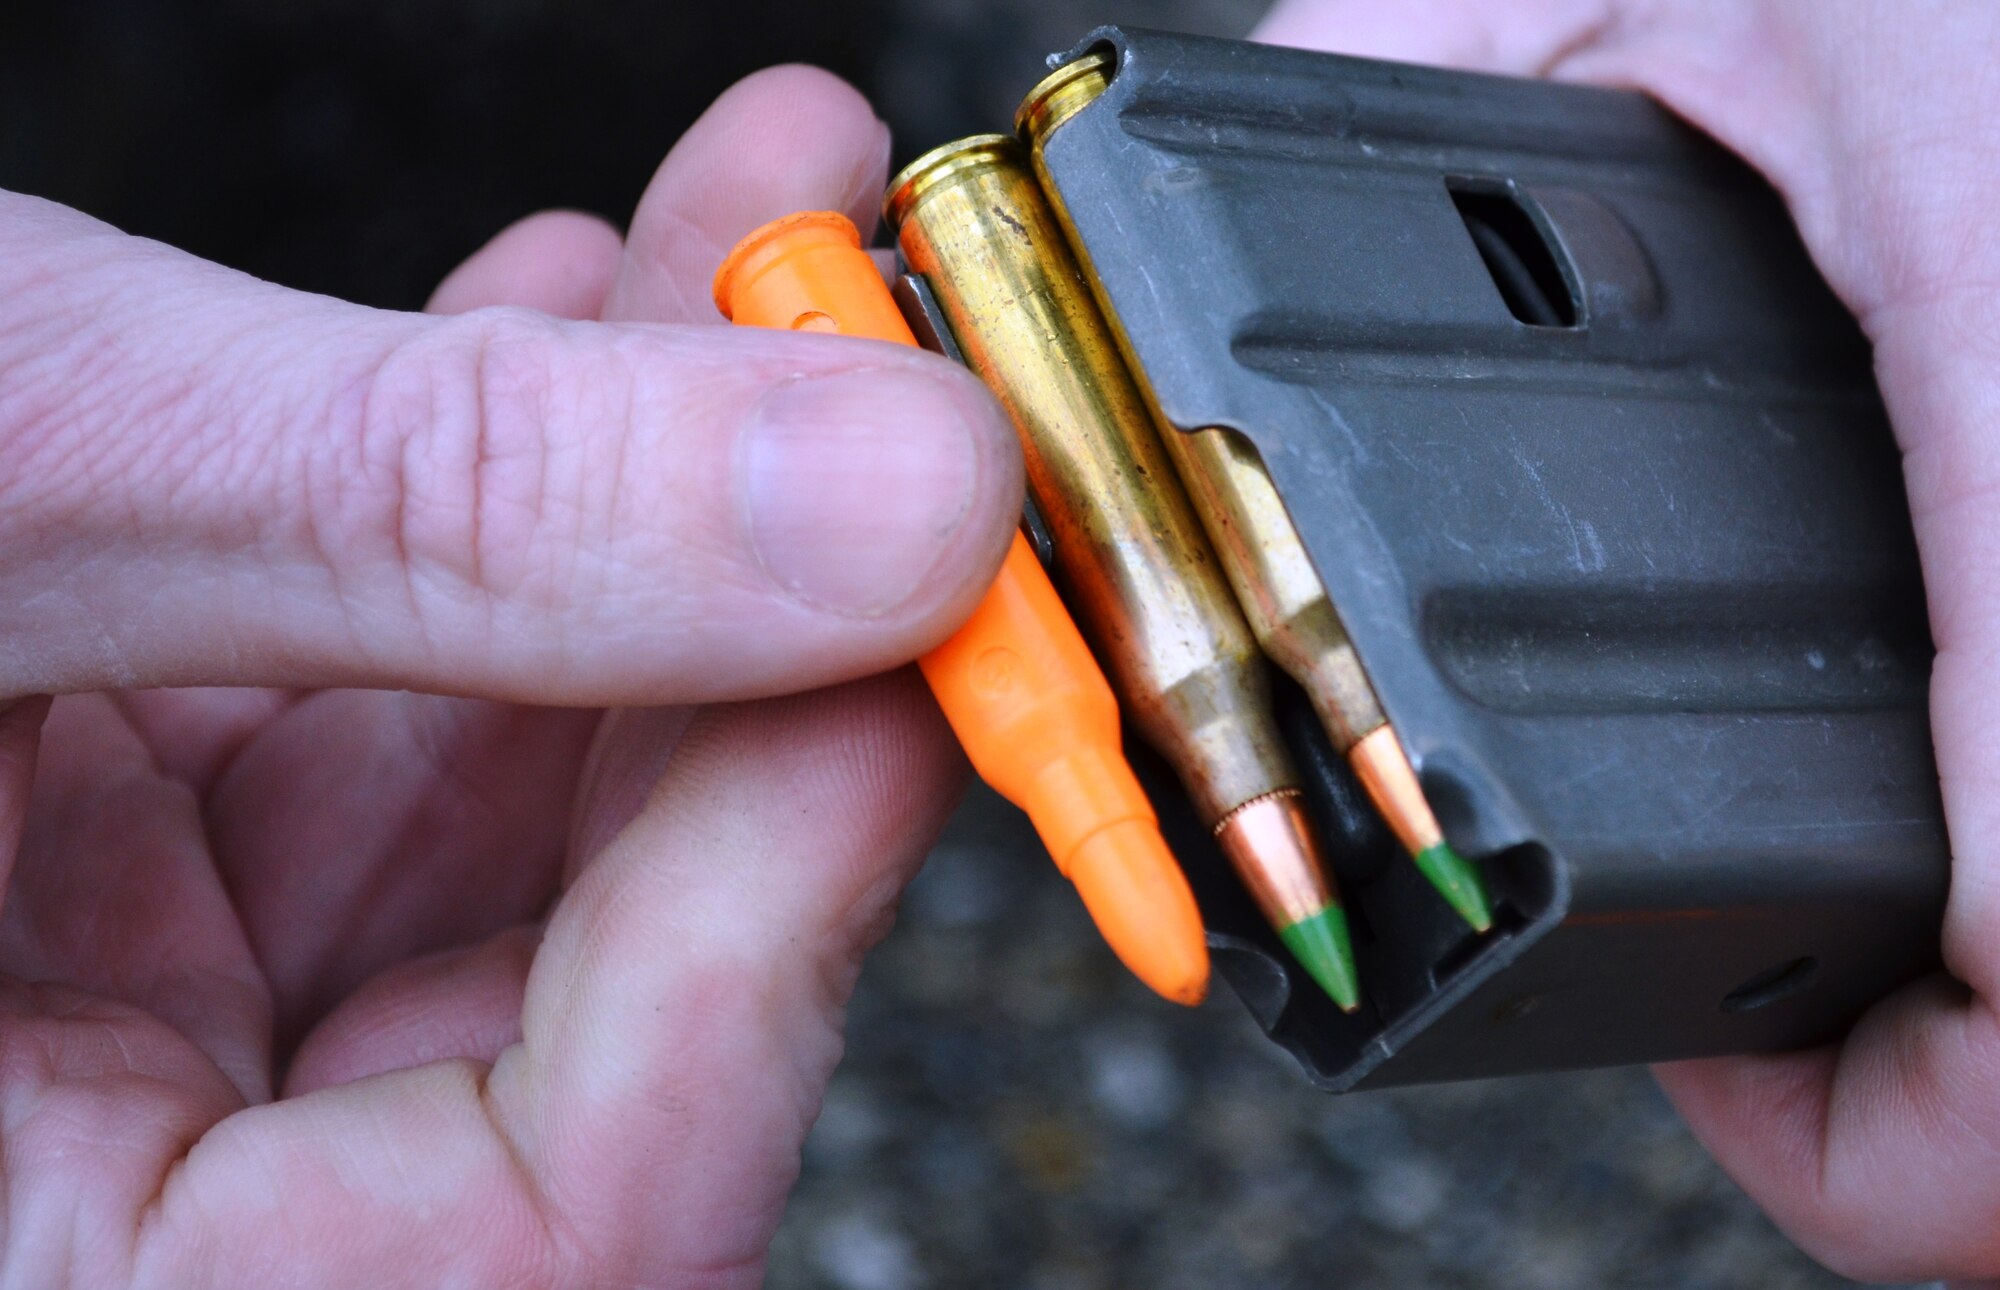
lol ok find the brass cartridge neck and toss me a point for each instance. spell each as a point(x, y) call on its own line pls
point(1061, 95)
point(943, 164)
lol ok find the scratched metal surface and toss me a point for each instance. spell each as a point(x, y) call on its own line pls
point(1639, 594)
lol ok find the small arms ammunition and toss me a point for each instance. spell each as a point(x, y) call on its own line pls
point(1580, 476)
point(1018, 685)
point(1140, 574)
point(1273, 578)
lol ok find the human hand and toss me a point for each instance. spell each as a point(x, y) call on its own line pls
point(1880, 125)
point(209, 481)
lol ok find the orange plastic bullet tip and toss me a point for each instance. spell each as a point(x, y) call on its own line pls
point(1141, 904)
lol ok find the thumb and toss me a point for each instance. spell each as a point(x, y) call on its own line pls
point(209, 480)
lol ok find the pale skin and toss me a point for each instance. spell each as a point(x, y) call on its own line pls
point(308, 981)
point(349, 987)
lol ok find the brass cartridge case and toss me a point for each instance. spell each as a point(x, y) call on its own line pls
point(1262, 555)
point(1287, 605)
point(1269, 569)
point(1137, 568)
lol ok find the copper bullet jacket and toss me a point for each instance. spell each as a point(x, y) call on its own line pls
point(1275, 825)
point(1135, 563)
point(1383, 769)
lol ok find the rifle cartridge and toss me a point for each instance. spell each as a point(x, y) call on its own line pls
point(970, 217)
point(1267, 566)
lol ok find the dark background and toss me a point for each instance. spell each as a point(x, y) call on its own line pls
point(1014, 1111)
point(363, 147)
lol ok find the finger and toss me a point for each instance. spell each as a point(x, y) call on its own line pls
point(783, 140)
point(687, 1001)
point(101, 1098)
point(428, 824)
point(462, 1003)
point(681, 1019)
point(114, 893)
point(369, 827)
point(205, 480)
point(20, 742)
point(194, 735)
point(626, 761)
point(1881, 1158)
point(1519, 38)
point(560, 262)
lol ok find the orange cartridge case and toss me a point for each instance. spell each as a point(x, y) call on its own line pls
point(1017, 683)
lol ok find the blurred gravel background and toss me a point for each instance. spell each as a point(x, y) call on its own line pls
point(1013, 1111)
point(1016, 1112)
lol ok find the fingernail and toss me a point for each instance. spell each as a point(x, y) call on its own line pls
point(856, 483)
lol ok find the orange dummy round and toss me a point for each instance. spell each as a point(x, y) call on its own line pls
point(1017, 682)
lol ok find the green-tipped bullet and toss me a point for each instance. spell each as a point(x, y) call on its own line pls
point(1323, 948)
point(1384, 770)
point(1276, 854)
point(1458, 882)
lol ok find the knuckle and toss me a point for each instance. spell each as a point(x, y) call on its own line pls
point(464, 467)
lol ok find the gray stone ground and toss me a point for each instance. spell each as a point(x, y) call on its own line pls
point(1016, 1112)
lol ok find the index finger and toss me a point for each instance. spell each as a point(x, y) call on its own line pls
point(785, 139)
